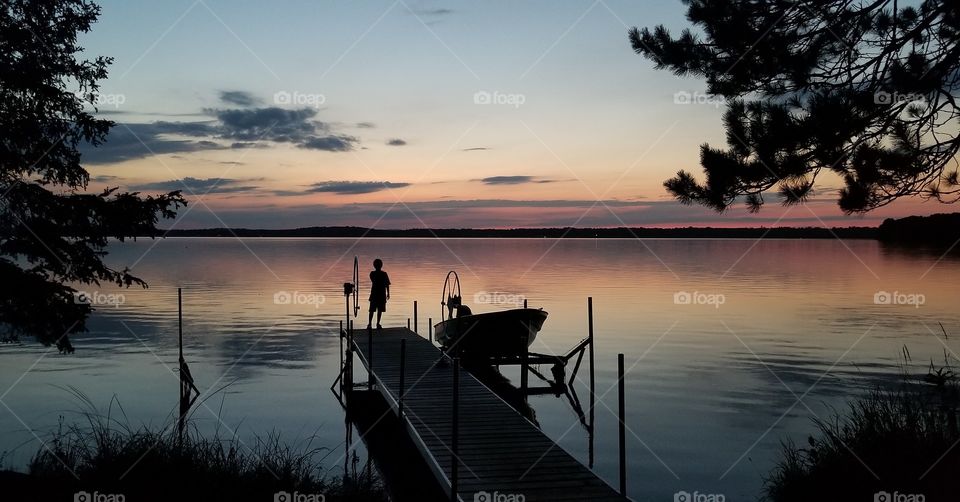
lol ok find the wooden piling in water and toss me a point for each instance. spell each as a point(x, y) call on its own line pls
point(623, 427)
point(592, 384)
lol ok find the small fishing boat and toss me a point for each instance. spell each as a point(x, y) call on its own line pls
point(501, 333)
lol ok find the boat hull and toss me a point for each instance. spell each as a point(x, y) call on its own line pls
point(503, 333)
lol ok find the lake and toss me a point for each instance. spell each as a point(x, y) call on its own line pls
point(731, 346)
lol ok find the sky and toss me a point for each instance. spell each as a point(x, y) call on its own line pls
point(409, 114)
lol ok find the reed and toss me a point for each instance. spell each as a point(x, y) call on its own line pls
point(103, 453)
point(894, 440)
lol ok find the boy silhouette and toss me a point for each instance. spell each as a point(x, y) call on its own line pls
point(379, 292)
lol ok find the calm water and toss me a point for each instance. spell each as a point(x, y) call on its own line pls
point(776, 333)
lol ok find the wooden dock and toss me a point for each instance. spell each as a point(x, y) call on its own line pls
point(499, 450)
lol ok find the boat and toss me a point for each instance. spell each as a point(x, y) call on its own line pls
point(490, 334)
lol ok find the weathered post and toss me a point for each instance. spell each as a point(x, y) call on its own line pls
point(415, 323)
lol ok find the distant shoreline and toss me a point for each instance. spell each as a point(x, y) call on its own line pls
point(941, 228)
point(540, 233)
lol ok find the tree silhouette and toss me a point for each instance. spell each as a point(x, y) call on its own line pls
point(863, 89)
point(53, 234)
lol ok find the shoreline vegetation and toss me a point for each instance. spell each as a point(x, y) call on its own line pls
point(104, 456)
point(934, 229)
point(893, 444)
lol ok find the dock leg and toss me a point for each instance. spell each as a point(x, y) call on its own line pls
point(524, 369)
point(593, 395)
point(370, 359)
point(415, 323)
point(623, 435)
point(430, 329)
point(348, 374)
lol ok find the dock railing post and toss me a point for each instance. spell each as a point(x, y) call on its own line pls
point(403, 362)
point(455, 431)
point(592, 384)
point(348, 374)
point(415, 323)
point(623, 434)
point(430, 329)
point(408, 323)
point(370, 359)
point(524, 303)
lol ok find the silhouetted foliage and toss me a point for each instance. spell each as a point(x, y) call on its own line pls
point(52, 234)
point(898, 440)
point(942, 229)
point(865, 90)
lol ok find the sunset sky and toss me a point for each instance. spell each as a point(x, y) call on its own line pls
point(410, 113)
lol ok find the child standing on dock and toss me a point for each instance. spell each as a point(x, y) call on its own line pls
point(379, 292)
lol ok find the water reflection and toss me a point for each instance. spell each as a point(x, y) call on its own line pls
point(707, 387)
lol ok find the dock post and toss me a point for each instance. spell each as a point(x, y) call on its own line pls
point(524, 367)
point(430, 329)
point(370, 359)
point(408, 323)
point(524, 303)
point(348, 375)
point(403, 362)
point(623, 436)
point(455, 432)
point(592, 385)
point(415, 323)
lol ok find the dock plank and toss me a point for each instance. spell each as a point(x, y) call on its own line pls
point(498, 449)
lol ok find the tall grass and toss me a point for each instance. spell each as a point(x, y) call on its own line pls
point(902, 440)
point(103, 453)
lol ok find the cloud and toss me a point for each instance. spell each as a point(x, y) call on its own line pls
point(366, 125)
point(239, 98)
point(396, 142)
point(246, 127)
point(103, 178)
point(330, 143)
point(475, 149)
point(354, 187)
point(271, 123)
point(513, 180)
point(437, 12)
point(137, 141)
point(198, 186)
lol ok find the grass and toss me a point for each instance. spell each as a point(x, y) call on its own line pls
point(103, 454)
point(902, 440)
